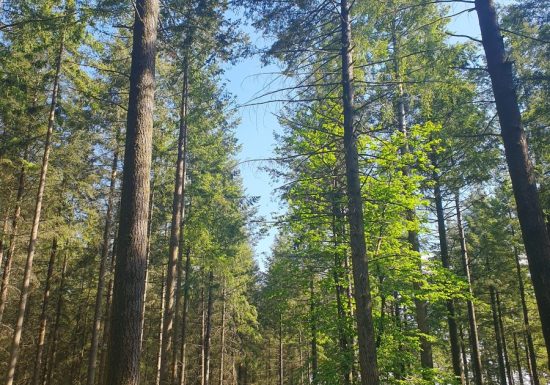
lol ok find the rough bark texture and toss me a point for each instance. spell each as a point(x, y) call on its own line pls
point(124, 345)
point(105, 247)
point(474, 338)
point(24, 294)
point(363, 301)
point(530, 215)
point(444, 254)
point(6, 272)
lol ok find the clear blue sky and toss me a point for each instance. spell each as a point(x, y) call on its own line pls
point(249, 79)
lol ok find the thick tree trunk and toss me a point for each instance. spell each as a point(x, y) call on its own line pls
point(24, 294)
point(363, 301)
point(532, 359)
point(37, 372)
point(105, 247)
point(498, 337)
point(6, 271)
point(530, 215)
point(474, 338)
point(125, 339)
point(518, 360)
point(444, 254)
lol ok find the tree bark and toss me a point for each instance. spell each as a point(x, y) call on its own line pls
point(161, 334)
point(125, 339)
point(474, 338)
point(24, 294)
point(50, 364)
point(208, 329)
point(37, 371)
point(530, 215)
point(11, 249)
point(498, 337)
point(444, 254)
point(185, 311)
point(532, 358)
point(363, 300)
point(518, 360)
point(464, 358)
point(105, 247)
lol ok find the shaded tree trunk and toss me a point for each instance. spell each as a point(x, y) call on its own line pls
point(518, 360)
point(6, 271)
point(105, 247)
point(498, 337)
point(313, 321)
point(444, 250)
point(161, 334)
point(281, 360)
point(24, 294)
point(185, 311)
point(473, 333)
point(530, 215)
point(464, 358)
point(222, 338)
point(208, 329)
point(363, 300)
point(504, 346)
point(125, 338)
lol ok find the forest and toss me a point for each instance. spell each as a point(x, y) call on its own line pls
point(412, 171)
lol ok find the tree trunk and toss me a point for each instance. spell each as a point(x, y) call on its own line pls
point(498, 336)
point(503, 336)
point(530, 215)
point(159, 354)
point(125, 339)
point(185, 311)
point(50, 363)
point(474, 339)
point(464, 358)
point(11, 250)
point(37, 372)
point(444, 250)
point(222, 338)
point(528, 357)
point(281, 362)
point(532, 358)
point(24, 294)
point(518, 360)
point(313, 320)
point(365, 326)
point(105, 247)
point(208, 330)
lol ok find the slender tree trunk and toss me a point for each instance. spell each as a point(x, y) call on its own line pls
point(147, 275)
point(474, 339)
point(11, 249)
point(530, 215)
point(444, 250)
point(50, 364)
point(125, 339)
point(222, 338)
point(208, 330)
point(37, 372)
point(313, 320)
point(518, 360)
point(503, 336)
point(5, 227)
point(421, 306)
point(105, 247)
point(170, 312)
point(363, 300)
point(498, 336)
point(528, 357)
point(107, 319)
point(532, 359)
point(464, 358)
point(203, 332)
point(159, 354)
point(24, 294)
point(281, 361)
point(185, 311)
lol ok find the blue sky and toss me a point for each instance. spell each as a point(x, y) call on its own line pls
point(249, 79)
